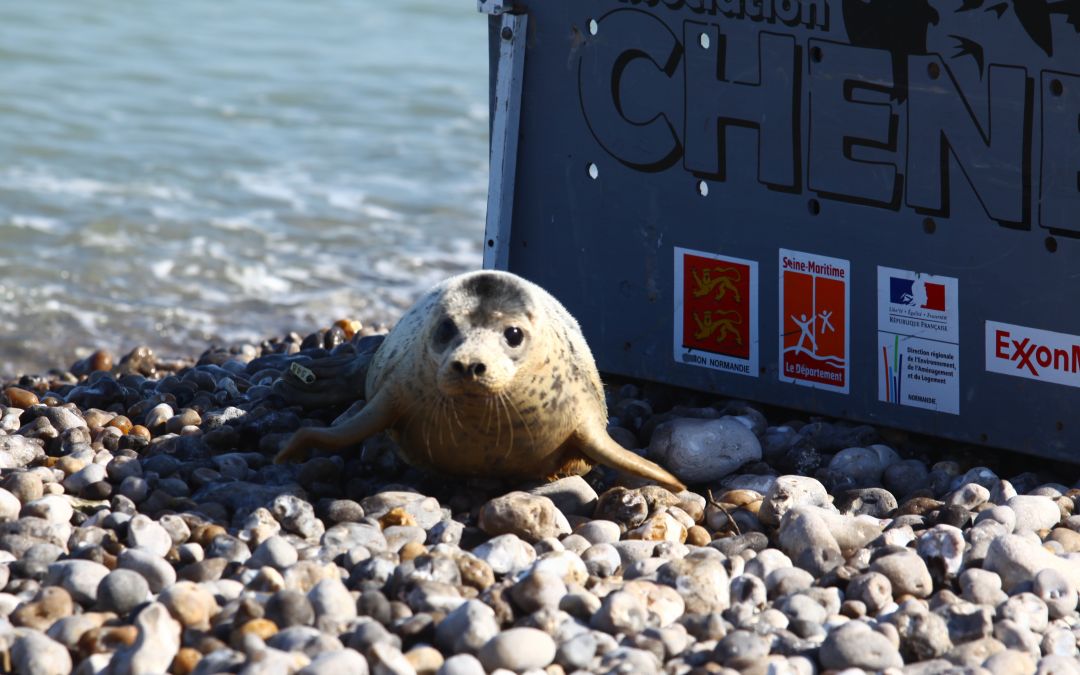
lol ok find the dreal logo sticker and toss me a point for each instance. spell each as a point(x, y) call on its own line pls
point(814, 301)
point(1033, 353)
point(918, 340)
point(716, 312)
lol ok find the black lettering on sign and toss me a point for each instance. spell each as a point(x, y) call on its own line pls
point(987, 132)
point(1059, 184)
point(851, 122)
point(846, 100)
point(765, 98)
point(630, 117)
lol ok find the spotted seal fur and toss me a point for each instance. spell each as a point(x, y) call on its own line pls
point(486, 375)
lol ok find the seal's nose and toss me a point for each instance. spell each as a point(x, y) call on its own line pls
point(471, 371)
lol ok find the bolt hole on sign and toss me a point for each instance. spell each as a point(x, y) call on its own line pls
point(814, 322)
point(716, 305)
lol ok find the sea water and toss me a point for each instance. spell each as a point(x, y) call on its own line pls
point(180, 174)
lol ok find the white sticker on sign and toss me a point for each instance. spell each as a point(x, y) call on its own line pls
point(918, 340)
point(1033, 353)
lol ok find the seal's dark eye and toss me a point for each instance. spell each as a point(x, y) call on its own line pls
point(445, 332)
point(513, 336)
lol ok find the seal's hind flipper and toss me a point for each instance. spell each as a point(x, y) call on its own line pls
point(327, 381)
point(378, 414)
point(596, 444)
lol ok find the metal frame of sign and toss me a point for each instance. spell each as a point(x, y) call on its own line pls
point(868, 209)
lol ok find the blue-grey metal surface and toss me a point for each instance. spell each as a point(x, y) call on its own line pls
point(505, 125)
point(862, 208)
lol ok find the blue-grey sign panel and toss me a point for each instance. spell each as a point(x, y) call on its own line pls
point(863, 208)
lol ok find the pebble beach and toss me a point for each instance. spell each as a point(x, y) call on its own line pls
point(145, 529)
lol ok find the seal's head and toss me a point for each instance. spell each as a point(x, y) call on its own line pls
point(481, 337)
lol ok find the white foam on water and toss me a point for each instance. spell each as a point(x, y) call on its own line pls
point(37, 223)
point(272, 185)
point(243, 222)
point(256, 280)
point(162, 268)
point(37, 181)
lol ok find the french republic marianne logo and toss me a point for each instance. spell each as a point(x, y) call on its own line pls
point(716, 306)
point(814, 320)
point(917, 293)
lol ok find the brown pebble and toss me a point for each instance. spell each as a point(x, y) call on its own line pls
point(107, 639)
point(184, 418)
point(140, 431)
point(739, 497)
point(26, 486)
point(1069, 540)
point(396, 516)
point(96, 418)
point(1065, 506)
point(122, 423)
point(20, 398)
point(350, 326)
point(100, 360)
point(425, 660)
point(204, 533)
point(411, 550)
point(697, 536)
point(475, 573)
point(262, 628)
point(185, 661)
point(918, 506)
point(52, 603)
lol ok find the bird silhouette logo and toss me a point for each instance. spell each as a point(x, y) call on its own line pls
point(898, 26)
point(1034, 16)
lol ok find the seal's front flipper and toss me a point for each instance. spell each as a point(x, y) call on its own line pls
point(376, 416)
point(596, 444)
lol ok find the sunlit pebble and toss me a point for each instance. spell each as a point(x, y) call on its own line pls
point(140, 431)
point(122, 423)
point(350, 326)
point(20, 398)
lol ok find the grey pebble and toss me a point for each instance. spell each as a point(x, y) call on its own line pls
point(335, 662)
point(518, 649)
point(461, 664)
point(32, 653)
point(121, 590)
point(146, 534)
point(289, 607)
point(620, 612)
point(80, 578)
point(701, 451)
point(158, 573)
point(572, 495)
point(297, 516)
point(304, 639)
point(467, 628)
point(506, 553)
point(274, 552)
point(856, 645)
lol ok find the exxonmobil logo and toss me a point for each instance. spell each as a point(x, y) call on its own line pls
point(1033, 353)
